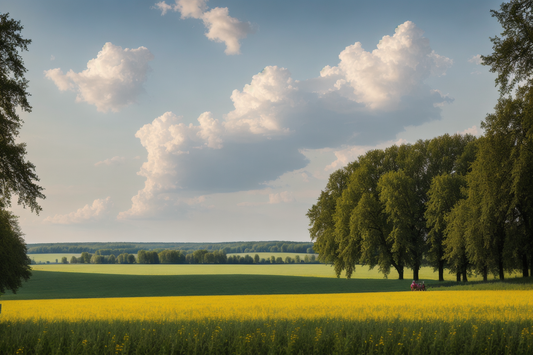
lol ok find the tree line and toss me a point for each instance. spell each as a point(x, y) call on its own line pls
point(454, 202)
point(182, 257)
point(133, 248)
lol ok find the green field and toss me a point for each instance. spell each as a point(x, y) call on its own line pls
point(307, 270)
point(124, 280)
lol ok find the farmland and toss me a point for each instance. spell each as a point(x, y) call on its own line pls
point(402, 322)
point(280, 308)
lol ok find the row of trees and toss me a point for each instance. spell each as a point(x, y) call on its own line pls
point(454, 202)
point(181, 257)
point(214, 257)
point(133, 248)
point(87, 258)
point(374, 210)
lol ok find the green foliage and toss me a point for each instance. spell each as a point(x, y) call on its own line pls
point(17, 175)
point(14, 263)
point(133, 248)
point(321, 221)
point(378, 216)
point(444, 193)
point(147, 257)
point(512, 58)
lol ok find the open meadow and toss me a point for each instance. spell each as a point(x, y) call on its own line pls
point(253, 309)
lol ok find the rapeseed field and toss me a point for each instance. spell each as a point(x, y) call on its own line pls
point(473, 322)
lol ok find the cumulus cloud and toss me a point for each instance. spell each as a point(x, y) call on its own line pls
point(112, 80)
point(221, 27)
point(89, 213)
point(472, 130)
point(396, 68)
point(111, 161)
point(280, 197)
point(366, 99)
point(476, 59)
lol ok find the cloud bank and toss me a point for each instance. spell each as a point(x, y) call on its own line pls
point(112, 80)
point(220, 26)
point(89, 213)
point(367, 98)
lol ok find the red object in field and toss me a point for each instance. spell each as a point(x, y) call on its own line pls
point(418, 287)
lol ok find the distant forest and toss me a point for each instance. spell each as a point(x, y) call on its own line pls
point(133, 248)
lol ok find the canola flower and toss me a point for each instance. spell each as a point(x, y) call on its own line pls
point(445, 306)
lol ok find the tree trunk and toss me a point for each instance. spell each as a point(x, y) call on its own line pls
point(458, 276)
point(500, 270)
point(441, 270)
point(400, 273)
point(465, 279)
point(525, 266)
point(415, 273)
point(485, 273)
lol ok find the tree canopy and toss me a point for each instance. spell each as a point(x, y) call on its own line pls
point(17, 175)
point(512, 58)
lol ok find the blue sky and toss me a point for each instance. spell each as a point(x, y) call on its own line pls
point(222, 120)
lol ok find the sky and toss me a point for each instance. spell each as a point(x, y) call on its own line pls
point(221, 120)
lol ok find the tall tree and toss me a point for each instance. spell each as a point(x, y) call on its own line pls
point(512, 58)
point(17, 175)
point(398, 192)
point(444, 193)
point(449, 159)
point(510, 132)
point(322, 225)
point(362, 228)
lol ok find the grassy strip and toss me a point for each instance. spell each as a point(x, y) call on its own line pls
point(318, 336)
point(518, 283)
point(50, 285)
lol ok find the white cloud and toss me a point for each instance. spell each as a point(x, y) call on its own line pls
point(259, 104)
point(472, 130)
point(112, 80)
point(367, 98)
point(280, 197)
point(111, 161)
point(191, 8)
point(52, 57)
point(396, 68)
point(97, 211)
point(220, 26)
point(476, 59)
point(163, 6)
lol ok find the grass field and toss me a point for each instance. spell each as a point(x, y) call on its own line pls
point(307, 270)
point(89, 280)
point(49, 285)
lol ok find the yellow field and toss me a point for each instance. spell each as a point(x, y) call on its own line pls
point(446, 306)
